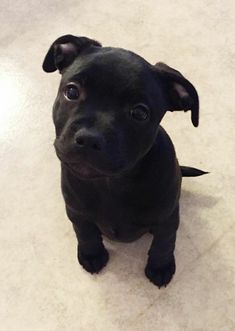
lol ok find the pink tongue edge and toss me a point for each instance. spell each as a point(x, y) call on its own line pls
point(87, 171)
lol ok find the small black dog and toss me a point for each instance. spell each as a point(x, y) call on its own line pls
point(120, 174)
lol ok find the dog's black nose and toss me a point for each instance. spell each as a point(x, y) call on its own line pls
point(87, 139)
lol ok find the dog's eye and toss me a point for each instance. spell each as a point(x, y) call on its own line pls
point(71, 92)
point(140, 112)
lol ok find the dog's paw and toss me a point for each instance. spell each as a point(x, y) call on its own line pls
point(160, 276)
point(93, 263)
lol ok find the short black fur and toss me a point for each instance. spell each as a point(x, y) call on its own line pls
point(120, 174)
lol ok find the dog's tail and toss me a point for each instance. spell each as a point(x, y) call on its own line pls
point(191, 172)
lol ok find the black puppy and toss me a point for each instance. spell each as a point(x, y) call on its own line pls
point(120, 174)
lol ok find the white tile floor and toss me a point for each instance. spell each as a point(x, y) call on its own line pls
point(42, 286)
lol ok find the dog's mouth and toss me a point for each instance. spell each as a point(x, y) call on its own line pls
point(84, 168)
point(84, 171)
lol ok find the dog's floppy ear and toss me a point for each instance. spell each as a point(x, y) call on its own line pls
point(180, 93)
point(64, 50)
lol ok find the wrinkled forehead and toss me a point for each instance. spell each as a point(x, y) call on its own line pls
point(109, 71)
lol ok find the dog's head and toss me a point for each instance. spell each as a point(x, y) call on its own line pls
point(109, 104)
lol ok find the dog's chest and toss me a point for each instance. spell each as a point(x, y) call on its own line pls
point(123, 210)
point(121, 215)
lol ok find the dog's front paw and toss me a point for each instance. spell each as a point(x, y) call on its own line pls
point(160, 276)
point(93, 263)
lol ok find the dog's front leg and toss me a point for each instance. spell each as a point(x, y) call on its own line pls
point(91, 252)
point(160, 267)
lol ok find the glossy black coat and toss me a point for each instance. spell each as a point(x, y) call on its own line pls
point(120, 175)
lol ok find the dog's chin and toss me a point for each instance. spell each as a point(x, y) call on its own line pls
point(85, 171)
